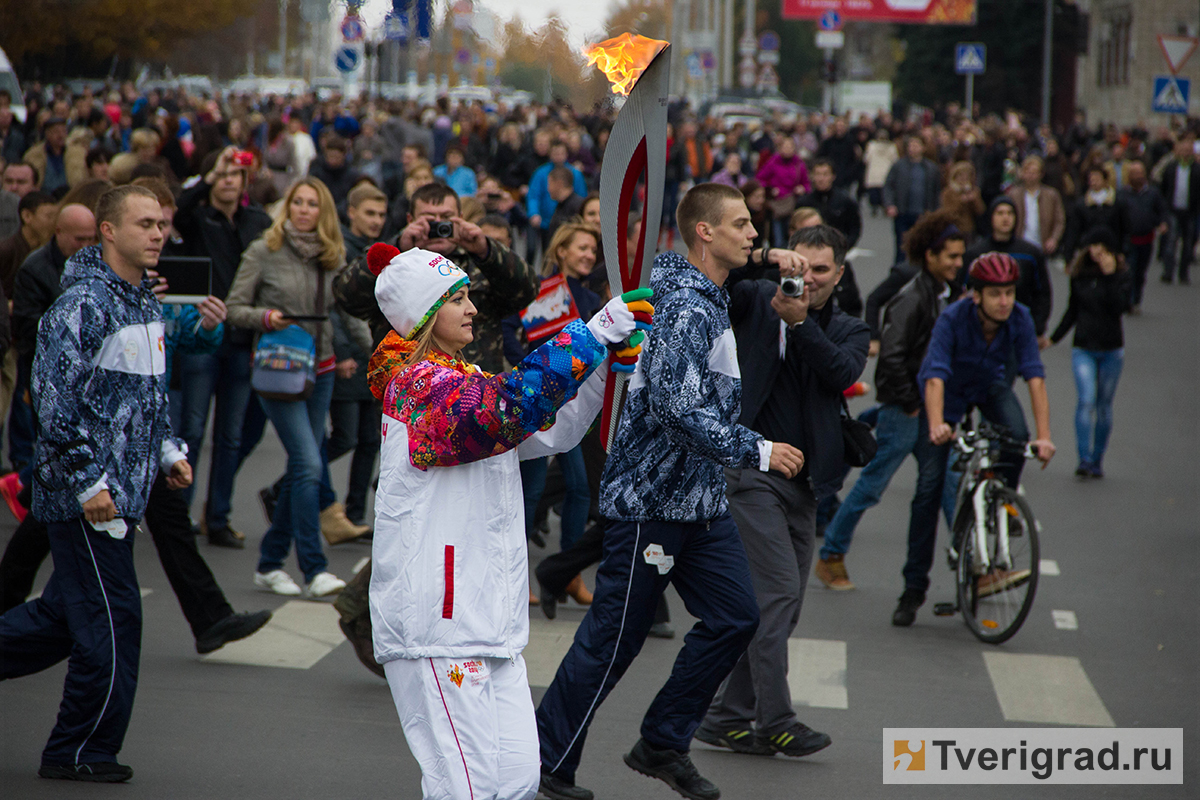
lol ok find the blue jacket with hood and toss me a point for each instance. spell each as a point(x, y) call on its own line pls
point(100, 394)
point(679, 425)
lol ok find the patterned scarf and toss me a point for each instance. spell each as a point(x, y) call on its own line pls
point(307, 244)
point(392, 356)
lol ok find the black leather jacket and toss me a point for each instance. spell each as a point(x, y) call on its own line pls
point(907, 325)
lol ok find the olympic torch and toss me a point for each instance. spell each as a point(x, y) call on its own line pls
point(639, 68)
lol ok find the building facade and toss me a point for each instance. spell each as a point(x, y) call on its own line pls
point(1116, 75)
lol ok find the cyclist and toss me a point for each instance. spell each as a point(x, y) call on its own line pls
point(965, 363)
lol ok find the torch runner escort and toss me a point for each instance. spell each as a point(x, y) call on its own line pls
point(640, 130)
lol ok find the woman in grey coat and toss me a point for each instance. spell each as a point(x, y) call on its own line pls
point(285, 278)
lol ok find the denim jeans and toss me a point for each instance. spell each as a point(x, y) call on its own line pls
point(898, 436)
point(1096, 376)
point(1000, 408)
point(356, 426)
point(1180, 238)
point(300, 425)
point(227, 375)
point(901, 224)
point(1139, 264)
point(578, 498)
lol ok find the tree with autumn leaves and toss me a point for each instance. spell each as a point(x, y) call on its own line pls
point(74, 37)
point(545, 59)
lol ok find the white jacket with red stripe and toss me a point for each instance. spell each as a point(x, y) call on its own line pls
point(450, 571)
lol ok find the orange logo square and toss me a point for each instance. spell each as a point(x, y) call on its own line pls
point(455, 674)
point(908, 754)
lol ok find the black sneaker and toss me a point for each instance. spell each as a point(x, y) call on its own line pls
point(95, 772)
point(558, 789)
point(739, 741)
point(226, 537)
point(797, 740)
point(267, 498)
point(673, 768)
point(906, 611)
point(230, 629)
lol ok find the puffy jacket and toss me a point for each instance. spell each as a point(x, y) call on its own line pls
point(100, 394)
point(450, 570)
point(679, 425)
point(908, 321)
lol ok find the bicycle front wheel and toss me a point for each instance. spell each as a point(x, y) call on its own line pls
point(995, 593)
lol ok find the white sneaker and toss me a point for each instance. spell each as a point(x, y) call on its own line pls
point(324, 584)
point(277, 581)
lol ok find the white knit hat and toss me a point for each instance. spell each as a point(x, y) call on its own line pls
point(411, 286)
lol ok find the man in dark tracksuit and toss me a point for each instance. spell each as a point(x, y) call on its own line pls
point(797, 356)
point(664, 493)
point(100, 393)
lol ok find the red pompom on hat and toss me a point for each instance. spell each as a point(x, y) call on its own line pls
point(379, 256)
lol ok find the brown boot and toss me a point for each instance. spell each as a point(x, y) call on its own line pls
point(336, 527)
point(832, 572)
point(579, 593)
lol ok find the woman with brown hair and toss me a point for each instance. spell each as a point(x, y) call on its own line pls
point(285, 279)
point(571, 254)
point(962, 198)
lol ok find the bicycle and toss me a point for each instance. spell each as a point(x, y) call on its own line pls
point(994, 550)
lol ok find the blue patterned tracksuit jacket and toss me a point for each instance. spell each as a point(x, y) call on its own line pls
point(100, 394)
point(679, 426)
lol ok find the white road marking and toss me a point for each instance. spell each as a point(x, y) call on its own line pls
point(859, 252)
point(817, 673)
point(146, 592)
point(1048, 689)
point(1065, 620)
point(1048, 566)
point(299, 635)
point(362, 562)
point(549, 641)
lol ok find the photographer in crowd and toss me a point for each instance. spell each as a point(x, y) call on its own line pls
point(797, 352)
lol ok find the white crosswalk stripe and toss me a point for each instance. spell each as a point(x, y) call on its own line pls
point(1048, 566)
point(1065, 620)
point(817, 673)
point(299, 635)
point(1048, 689)
point(549, 641)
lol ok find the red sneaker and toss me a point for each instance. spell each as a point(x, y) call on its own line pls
point(10, 487)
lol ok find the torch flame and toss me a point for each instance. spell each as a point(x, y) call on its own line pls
point(623, 59)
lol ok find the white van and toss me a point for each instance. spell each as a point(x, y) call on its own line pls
point(8, 82)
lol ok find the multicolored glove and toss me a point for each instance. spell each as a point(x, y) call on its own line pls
point(625, 356)
point(623, 315)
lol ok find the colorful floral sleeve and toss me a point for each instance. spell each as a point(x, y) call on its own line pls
point(457, 417)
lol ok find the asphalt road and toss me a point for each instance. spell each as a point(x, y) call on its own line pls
point(290, 712)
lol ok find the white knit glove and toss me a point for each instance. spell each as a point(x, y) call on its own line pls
point(614, 323)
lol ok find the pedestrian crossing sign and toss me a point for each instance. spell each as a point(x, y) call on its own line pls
point(970, 58)
point(1171, 94)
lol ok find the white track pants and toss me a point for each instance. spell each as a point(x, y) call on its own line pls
point(470, 725)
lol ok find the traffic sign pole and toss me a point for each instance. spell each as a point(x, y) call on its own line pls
point(970, 107)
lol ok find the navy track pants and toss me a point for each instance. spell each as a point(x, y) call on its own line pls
point(91, 613)
point(707, 564)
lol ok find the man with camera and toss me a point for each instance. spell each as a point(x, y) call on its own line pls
point(501, 285)
point(797, 352)
point(213, 223)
